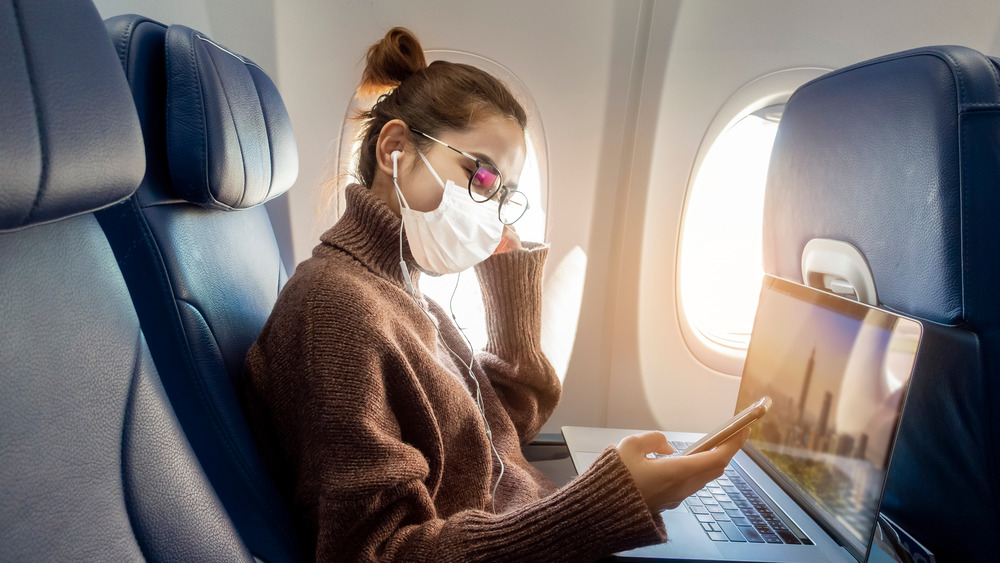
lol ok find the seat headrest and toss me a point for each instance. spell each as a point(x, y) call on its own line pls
point(70, 141)
point(229, 137)
point(882, 155)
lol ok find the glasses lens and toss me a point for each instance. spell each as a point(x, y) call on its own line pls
point(513, 207)
point(484, 182)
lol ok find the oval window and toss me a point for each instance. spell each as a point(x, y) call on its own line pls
point(720, 257)
point(718, 264)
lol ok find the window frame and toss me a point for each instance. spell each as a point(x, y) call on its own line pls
point(773, 89)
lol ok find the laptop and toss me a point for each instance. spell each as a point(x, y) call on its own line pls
point(808, 483)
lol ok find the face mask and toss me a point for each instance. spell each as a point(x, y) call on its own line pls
point(457, 235)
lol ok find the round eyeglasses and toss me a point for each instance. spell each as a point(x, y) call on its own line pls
point(486, 183)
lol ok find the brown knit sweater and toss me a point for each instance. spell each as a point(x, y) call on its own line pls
point(371, 430)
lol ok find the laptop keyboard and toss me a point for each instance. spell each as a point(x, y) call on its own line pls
point(729, 509)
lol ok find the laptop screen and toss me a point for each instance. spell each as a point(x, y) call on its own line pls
point(836, 371)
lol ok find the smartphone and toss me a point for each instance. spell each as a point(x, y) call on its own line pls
point(730, 427)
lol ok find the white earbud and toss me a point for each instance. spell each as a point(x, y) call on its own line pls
point(402, 264)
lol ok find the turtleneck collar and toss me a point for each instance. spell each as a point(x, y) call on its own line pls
point(369, 231)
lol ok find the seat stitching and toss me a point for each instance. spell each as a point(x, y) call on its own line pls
point(126, 37)
point(232, 116)
point(242, 59)
point(963, 250)
point(219, 423)
point(43, 140)
point(267, 131)
point(202, 158)
point(126, 425)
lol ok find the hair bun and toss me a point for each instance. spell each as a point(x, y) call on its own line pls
point(391, 61)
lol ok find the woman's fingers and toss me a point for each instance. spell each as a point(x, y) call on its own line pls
point(713, 461)
point(667, 481)
point(645, 443)
point(510, 241)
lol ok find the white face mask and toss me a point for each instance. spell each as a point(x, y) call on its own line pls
point(457, 235)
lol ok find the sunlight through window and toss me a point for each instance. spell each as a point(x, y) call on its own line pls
point(720, 256)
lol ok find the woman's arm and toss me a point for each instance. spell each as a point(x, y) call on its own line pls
point(513, 360)
point(368, 461)
point(599, 513)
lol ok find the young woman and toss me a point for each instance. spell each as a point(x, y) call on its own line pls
point(390, 438)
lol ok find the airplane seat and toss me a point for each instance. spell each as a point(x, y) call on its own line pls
point(883, 185)
point(197, 249)
point(95, 466)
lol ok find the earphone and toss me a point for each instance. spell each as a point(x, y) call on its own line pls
point(402, 264)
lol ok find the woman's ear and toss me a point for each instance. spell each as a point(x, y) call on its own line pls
point(393, 137)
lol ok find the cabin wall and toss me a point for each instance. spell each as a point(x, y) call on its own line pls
point(626, 92)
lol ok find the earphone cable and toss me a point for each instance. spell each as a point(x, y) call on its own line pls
point(468, 366)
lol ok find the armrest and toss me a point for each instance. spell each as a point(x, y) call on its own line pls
point(549, 439)
point(549, 454)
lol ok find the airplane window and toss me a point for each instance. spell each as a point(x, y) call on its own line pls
point(462, 290)
point(720, 253)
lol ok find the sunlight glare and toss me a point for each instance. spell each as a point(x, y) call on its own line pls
point(720, 259)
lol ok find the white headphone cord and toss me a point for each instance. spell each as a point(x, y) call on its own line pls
point(468, 366)
point(479, 394)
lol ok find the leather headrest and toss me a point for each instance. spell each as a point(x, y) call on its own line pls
point(229, 137)
point(881, 155)
point(70, 141)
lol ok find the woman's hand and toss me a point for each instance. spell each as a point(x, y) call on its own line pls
point(509, 241)
point(665, 482)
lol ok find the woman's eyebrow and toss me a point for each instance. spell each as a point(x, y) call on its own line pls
point(485, 159)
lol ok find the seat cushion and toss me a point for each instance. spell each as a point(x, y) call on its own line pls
point(203, 277)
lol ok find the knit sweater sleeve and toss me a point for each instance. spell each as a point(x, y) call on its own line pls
point(599, 513)
point(513, 360)
point(368, 471)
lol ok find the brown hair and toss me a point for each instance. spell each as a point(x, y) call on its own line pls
point(441, 97)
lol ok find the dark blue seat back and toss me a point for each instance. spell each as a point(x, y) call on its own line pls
point(94, 465)
point(197, 249)
point(900, 157)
